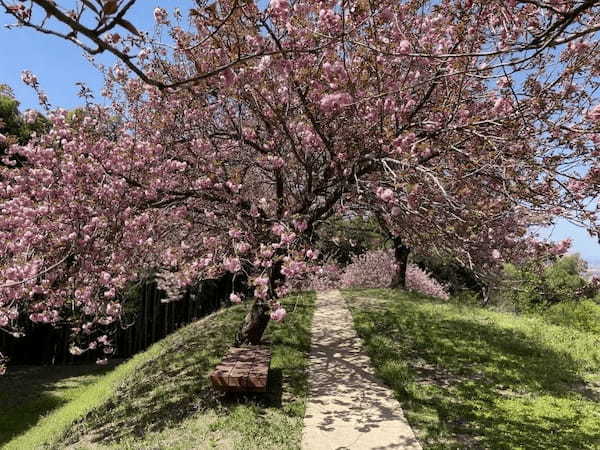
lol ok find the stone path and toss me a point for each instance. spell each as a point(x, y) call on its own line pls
point(348, 408)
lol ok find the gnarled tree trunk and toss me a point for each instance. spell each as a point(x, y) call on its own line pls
point(256, 321)
point(401, 253)
point(254, 324)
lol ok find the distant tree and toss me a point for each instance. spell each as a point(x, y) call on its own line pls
point(340, 239)
point(537, 284)
point(15, 127)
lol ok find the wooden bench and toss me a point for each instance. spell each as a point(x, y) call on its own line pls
point(243, 369)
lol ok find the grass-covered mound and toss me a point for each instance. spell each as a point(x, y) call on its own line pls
point(472, 378)
point(162, 398)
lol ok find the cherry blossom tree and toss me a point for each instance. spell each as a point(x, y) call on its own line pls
point(458, 124)
point(375, 269)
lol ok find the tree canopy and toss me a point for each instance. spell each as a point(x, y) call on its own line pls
point(458, 124)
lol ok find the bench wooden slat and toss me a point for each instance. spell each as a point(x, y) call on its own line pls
point(243, 369)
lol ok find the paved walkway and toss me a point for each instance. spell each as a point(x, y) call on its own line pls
point(347, 407)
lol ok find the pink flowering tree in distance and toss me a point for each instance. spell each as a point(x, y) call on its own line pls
point(375, 269)
point(457, 123)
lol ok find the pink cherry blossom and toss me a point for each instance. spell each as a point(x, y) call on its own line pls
point(160, 15)
point(232, 265)
point(300, 225)
point(561, 247)
point(385, 194)
point(279, 314)
point(404, 46)
point(236, 234)
point(113, 309)
point(594, 113)
point(30, 116)
point(74, 350)
point(279, 8)
point(29, 78)
point(502, 105)
point(335, 102)
point(504, 82)
point(243, 247)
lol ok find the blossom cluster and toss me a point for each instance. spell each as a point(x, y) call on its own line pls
point(321, 278)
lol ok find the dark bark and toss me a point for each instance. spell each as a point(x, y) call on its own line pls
point(256, 321)
point(276, 279)
point(254, 325)
point(485, 295)
point(401, 253)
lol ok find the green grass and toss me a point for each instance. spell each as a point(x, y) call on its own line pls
point(29, 393)
point(473, 378)
point(583, 315)
point(162, 398)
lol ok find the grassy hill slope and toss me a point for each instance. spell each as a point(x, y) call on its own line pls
point(468, 377)
point(28, 393)
point(162, 398)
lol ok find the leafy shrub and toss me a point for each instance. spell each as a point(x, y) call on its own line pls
point(583, 315)
point(13, 123)
point(535, 286)
point(375, 269)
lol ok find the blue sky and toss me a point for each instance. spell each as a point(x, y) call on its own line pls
point(59, 65)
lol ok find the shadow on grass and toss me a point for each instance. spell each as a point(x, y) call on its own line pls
point(169, 388)
point(175, 385)
point(14, 423)
point(27, 393)
point(468, 384)
point(272, 398)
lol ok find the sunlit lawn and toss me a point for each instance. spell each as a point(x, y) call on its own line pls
point(474, 378)
point(28, 393)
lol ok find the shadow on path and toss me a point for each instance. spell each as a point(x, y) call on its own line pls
point(348, 407)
